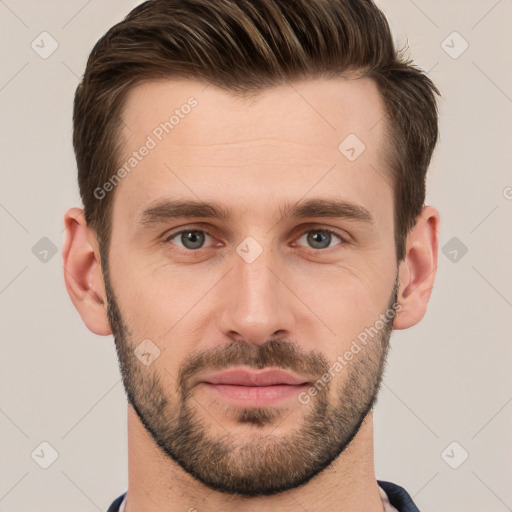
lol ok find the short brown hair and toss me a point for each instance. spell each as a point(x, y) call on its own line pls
point(245, 47)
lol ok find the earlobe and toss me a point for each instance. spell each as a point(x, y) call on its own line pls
point(418, 269)
point(82, 272)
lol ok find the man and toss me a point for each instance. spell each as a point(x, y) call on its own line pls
point(254, 228)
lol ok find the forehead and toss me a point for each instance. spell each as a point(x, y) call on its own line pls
point(280, 143)
point(308, 110)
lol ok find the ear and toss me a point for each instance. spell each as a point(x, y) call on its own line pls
point(82, 272)
point(417, 271)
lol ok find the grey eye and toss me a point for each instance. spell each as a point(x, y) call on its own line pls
point(320, 238)
point(190, 239)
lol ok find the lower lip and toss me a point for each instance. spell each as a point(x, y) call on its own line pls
point(255, 396)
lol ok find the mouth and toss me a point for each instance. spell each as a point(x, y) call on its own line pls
point(249, 388)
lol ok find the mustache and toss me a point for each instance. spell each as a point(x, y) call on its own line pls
point(273, 353)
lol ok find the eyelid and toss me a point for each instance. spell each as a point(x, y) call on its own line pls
point(186, 229)
point(345, 238)
point(341, 233)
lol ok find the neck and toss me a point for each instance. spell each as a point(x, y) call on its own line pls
point(156, 483)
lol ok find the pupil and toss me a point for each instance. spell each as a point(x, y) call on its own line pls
point(318, 237)
point(193, 238)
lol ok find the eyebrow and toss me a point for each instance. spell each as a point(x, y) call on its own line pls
point(169, 209)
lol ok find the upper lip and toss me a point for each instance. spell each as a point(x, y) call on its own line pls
point(244, 377)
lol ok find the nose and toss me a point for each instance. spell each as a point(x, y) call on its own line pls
point(257, 304)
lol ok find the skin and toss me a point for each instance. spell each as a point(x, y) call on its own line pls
point(252, 155)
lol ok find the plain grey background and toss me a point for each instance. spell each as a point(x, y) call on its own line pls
point(447, 392)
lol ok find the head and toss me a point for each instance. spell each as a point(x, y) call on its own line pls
point(246, 130)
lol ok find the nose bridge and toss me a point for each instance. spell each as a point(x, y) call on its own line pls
point(256, 306)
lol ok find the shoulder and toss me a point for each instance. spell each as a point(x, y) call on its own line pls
point(116, 504)
point(398, 497)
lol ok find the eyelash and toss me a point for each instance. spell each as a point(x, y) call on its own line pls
point(344, 240)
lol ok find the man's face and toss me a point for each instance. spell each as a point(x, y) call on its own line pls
point(250, 310)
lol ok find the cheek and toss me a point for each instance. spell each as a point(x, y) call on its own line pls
point(179, 306)
point(164, 305)
point(346, 300)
